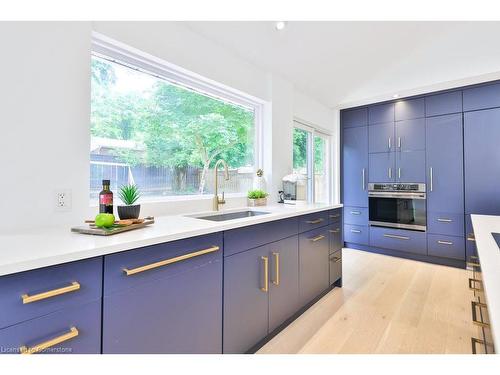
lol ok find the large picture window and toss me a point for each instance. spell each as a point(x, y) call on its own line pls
point(164, 136)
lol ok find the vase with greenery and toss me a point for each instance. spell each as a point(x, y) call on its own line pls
point(257, 197)
point(129, 194)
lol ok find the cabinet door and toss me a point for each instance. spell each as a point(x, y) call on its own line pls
point(382, 167)
point(410, 135)
point(354, 117)
point(246, 299)
point(335, 231)
point(355, 166)
point(410, 166)
point(313, 264)
point(444, 154)
point(381, 137)
point(177, 314)
point(482, 162)
point(283, 280)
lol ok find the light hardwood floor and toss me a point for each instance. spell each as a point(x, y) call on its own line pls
point(387, 305)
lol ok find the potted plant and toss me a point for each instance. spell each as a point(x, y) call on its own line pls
point(257, 197)
point(129, 194)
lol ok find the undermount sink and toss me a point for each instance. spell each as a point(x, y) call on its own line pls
point(232, 215)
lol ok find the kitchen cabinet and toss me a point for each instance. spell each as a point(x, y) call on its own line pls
point(446, 246)
point(444, 154)
point(381, 113)
point(399, 239)
point(482, 161)
point(382, 167)
point(354, 117)
point(481, 97)
point(261, 290)
point(410, 167)
point(335, 237)
point(381, 138)
point(335, 267)
point(410, 135)
point(443, 104)
point(313, 264)
point(173, 307)
point(408, 109)
point(355, 166)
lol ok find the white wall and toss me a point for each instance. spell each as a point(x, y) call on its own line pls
point(45, 96)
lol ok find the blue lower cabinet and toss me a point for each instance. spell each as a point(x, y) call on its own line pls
point(445, 223)
point(283, 280)
point(335, 215)
point(335, 237)
point(312, 221)
point(313, 264)
point(335, 266)
point(398, 239)
point(246, 299)
point(446, 246)
point(356, 234)
point(178, 314)
point(356, 215)
point(74, 330)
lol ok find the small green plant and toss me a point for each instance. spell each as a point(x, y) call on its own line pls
point(256, 194)
point(129, 194)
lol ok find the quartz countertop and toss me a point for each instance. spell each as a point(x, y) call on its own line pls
point(50, 246)
point(489, 257)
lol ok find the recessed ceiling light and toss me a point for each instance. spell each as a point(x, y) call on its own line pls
point(395, 96)
point(280, 25)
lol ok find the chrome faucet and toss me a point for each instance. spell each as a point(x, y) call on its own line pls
point(217, 201)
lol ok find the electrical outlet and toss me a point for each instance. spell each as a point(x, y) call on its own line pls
point(62, 200)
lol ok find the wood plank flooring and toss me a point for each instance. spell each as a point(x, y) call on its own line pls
point(387, 305)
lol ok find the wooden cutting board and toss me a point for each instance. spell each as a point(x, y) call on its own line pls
point(115, 229)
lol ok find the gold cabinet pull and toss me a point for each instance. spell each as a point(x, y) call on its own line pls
point(334, 216)
point(51, 293)
point(73, 332)
point(334, 230)
point(317, 221)
point(265, 262)
point(165, 262)
point(473, 287)
point(276, 281)
point(475, 320)
point(317, 238)
point(336, 259)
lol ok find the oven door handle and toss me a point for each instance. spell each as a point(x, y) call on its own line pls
point(402, 196)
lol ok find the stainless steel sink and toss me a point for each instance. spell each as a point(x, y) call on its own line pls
point(231, 215)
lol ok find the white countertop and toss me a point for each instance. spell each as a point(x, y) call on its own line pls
point(49, 246)
point(489, 257)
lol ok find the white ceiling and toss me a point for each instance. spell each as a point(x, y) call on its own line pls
point(341, 63)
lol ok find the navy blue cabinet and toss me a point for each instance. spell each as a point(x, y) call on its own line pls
point(443, 104)
point(482, 161)
point(165, 298)
point(481, 97)
point(410, 166)
point(382, 167)
point(354, 117)
point(313, 264)
point(355, 166)
point(381, 113)
point(409, 108)
point(410, 135)
point(381, 137)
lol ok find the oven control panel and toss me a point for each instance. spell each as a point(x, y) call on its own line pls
point(397, 187)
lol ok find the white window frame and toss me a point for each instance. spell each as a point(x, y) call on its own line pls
point(314, 130)
point(109, 49)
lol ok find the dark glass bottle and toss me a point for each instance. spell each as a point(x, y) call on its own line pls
point(106, 198)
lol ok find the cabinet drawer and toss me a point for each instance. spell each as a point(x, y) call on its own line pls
point(335, 234)
point(134, 267)
point(397, 239)
point(354, 117)
point(356, 234)
point(335, 266)
point(312, 221)
point(31, 294)
point(356, 215)
point(482, 97)
point(335, 216)
point(443, 104)
point(445, 223)
point(73, 330)
point(408, 109)
point(446, 246)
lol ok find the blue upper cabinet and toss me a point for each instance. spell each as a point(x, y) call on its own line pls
point(482, 162)
point(409, 109)
point(355, 166)
point(382, 167)
point(354, 117)
point(443, 104)
point(410, 166)
point(481, 97)
point(445, 164)
point(410, 135)
point(381, 137)
point(381, 113)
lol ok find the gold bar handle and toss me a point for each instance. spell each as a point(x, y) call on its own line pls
point(50, 343)
point(334, 216)
point(317, 221)
point(51, 293)
point(317, 238)
point(334, 230)
point(265, 261)
point(166, 262)
point(276, 281)
point(475, 320)
point(473, 287)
